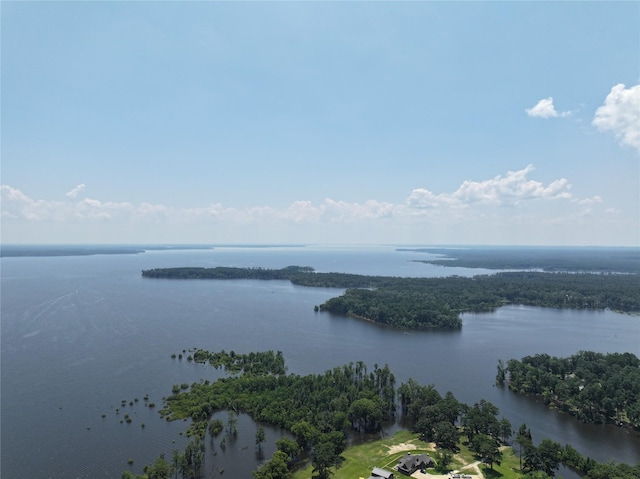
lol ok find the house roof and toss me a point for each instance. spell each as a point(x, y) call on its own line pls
point(378, 472)
point(411, 462)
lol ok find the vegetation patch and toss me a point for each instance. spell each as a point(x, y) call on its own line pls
point(320, 410)
point(423, 303)
point(577, 260)
point(594, 387)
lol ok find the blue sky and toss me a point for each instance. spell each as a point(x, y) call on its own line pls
point(321, 122)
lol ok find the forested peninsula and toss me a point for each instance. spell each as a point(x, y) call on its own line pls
point(594, 387)
point(549, 259)
point(422, 303)
point(319, 410)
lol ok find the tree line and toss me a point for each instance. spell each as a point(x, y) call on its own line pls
point(594, 387)
point(446, 421)
point(542, 461)
point(317, 409)
point(421, 303)
point(320, 410)
point(554, 259)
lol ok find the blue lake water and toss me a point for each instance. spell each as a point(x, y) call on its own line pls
point(82, 333)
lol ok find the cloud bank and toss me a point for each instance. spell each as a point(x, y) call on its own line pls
point(506, 209)
point(620, 115)
point(511, 190)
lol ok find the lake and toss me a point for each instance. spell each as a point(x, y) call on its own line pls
point(80, 334)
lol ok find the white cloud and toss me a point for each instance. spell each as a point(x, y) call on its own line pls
point(469, 208)
point(589, 201)
point(303, 211)
point(422, 198)
point(74, 192)
point(342, 211)
point(510, 190)
point(620, 114)
point(545, 109)
point(15, 204)
point(587, 204)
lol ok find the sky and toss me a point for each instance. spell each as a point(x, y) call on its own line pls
point(462, 123)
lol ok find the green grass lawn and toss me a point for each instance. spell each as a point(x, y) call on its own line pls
point(360, 459)
point(508, 469)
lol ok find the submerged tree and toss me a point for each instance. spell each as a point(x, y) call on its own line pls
point(260, 437)
point(160, 469)
point(232, 423)
point(501, 374)
point(215, 427)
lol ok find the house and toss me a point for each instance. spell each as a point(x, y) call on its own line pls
point(412, 462)
point(378, 473)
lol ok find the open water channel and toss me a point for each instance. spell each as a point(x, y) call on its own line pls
point(82, 333)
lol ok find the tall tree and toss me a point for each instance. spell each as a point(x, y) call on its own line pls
point(487, 448)
point(275, 468)
point(232, 423)
point(505, 430)
point(366, 414)
point(175, 461)
point(550, 454)
point(214, 427)
point(523, 439)
point(446, 435)
point(325, 457)
point(443, 458)
point(501, 373)
point(305, 434)
point(260, 437)
point(481, 419)
point(160, 469)
point(289, 447)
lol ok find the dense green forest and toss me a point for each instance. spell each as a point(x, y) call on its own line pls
point(543, 460)
point(317, 409)
point(594, 387)
point(550, 259)
point(320, 410)
point(420, 303)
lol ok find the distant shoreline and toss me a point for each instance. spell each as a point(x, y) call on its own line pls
point(14, 250)
point(49, 250)
point(559, 259)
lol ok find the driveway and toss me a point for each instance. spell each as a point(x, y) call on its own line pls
point(427, 475)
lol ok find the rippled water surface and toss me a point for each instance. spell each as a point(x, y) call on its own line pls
point(80, 334)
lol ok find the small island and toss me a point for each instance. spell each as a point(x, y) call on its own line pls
point(424, 303)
